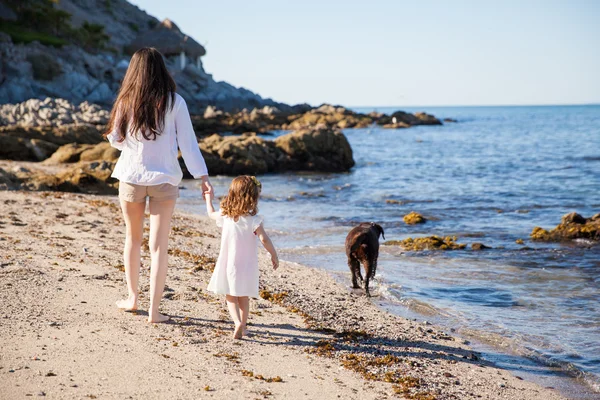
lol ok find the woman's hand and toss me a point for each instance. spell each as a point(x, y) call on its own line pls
point(207, 187)
point(275, 261)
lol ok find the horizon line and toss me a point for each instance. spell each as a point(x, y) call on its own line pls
point(477, 105)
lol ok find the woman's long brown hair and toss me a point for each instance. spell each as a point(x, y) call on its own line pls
point(146, 92)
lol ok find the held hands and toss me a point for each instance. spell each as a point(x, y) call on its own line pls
point(207, 188)
point(275, 261)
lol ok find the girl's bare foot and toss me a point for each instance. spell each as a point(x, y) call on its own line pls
point(158, 318)
point(129, 304)
point(238, 332)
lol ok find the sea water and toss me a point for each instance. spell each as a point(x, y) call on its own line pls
point(491, 178)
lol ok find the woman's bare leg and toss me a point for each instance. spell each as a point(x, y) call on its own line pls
point(133, 213)
point(244, 303)
point(234, 311)
point(160, 227)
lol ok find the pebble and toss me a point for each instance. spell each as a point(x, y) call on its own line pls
point(41, 394)
point(11, 370)
point(501, 385)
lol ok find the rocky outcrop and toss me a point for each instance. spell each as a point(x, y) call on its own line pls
point(413, 218)
point(572, 226)
point(68, 70)
point(52, 112)
point(83, 134)
point(324, 150)
point(330, 116)
point(428, 243)
point(84, 177)
point(23, 149)
point(74, 152)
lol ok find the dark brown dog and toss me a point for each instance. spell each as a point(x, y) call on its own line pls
point(362, 246)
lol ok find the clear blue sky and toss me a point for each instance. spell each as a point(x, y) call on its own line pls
point(398, 53)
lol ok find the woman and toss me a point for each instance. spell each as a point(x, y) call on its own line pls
point(147, 123)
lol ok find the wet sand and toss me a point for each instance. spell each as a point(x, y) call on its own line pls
point(62, 336)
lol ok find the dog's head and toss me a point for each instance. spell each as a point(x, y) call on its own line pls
point(378, 229)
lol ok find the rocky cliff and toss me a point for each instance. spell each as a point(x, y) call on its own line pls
point(79, 50)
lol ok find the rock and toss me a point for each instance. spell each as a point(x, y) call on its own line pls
point(428, 243)
point(413, 218)
point(41, 149)
point(401, 119)
point(101, 152)
point(330, 116)
point(479, 246)
point(450, 120)
point(60, 135)
point(325, 150)
point(519, 241)
point(572, 226)
point(306, 150)
point(69, 153)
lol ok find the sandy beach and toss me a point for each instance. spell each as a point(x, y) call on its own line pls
point(62, 336)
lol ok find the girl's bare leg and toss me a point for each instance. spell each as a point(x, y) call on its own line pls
point(160, 227)
point(133, 213)
point(244, 303)
point(234, 311)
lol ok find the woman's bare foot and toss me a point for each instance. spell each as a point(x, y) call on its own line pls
point(129, 304)
point(238, 332)
point(158, 318)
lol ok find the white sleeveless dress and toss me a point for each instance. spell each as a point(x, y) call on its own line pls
point(236, 272)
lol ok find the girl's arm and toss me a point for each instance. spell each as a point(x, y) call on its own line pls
point(266, 241)
point(210, 210)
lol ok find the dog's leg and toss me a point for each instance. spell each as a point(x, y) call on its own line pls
point(368, 274)
point(355, 270)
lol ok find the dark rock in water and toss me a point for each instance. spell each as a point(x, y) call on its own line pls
point(428, 243)
point(450, 120)
point(402, 118)
point(479, 246)
point(572, 226)
point(413, 218)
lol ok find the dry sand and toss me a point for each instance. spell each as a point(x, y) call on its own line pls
point(61, 335)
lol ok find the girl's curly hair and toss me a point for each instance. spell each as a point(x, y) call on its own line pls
point(242, 198)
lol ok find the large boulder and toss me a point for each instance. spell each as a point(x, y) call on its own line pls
point(235, 155)
point(317, 149)
point(324, 150)
point(572, 226)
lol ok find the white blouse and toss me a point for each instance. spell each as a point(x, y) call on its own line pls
point(154, 162)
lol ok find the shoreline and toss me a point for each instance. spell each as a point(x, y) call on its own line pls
point(317, 337)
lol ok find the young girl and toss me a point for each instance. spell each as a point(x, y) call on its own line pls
point(148, 122)
point(236, 272)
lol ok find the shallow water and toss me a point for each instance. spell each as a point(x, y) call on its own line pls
point(489, 178)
